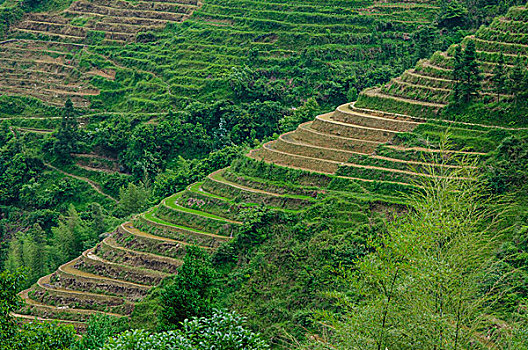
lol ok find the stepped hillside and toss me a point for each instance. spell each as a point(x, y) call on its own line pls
point(425, 89)
point(42, 60)
point(135, 56)
point(363, 157)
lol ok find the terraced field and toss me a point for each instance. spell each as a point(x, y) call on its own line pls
point(90, 51)
point(425, 89)
point(42, 60)
point(362, 158)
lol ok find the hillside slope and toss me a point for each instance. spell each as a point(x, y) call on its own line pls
point(364, 157)
point(125, 56)
point(425, 89)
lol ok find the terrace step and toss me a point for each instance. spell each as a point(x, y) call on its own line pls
point(217, 184)
point(52, 99)
point(195, 219)
point(172, 203)
point(288, 145)
point(424, 93)
point(45, 291)
point(184, 234)
point(412, 76)
point(326, 124)
point(305, 133)
point(88, 9)
point(71, 278)
point(112, 251)
point(393, 104)
point(195, 197)
point(92, 263)
point(54, 312)
point(397, 123)
point(269, 155)
point(79, 326)
point(133, 238)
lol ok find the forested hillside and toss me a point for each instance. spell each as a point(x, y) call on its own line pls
point(144, 185)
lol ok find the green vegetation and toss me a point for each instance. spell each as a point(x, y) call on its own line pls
point(191, 293)
point(378, 225)
point(222, 330)
point(428, 279)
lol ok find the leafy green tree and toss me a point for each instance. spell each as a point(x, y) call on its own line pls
point(221, 331)
point(498, 77)
point(192, 292)
point(10, 285)
point(303, 114)
point(32, 336)
point(507, 168)
point(452, 14)
point(133, 199)
point(98, 330)
point(5, 133)
point(255, 229)
point(422, 283)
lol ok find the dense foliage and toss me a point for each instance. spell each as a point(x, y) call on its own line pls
point(357, 269)
point(222, 330)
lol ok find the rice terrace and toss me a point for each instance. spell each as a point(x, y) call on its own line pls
point(263, 174)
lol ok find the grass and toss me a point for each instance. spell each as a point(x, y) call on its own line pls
point(220, 178)
point(150, 215)
point(171, 203)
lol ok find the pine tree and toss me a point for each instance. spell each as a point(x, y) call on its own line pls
point(499, 77)
point(34, 253)
point(466, 74)
point(14, 255)
point(68, 237)
point(518, 80)
point(472, 75)
point(457, 73)
point(28, 250)
point(67, 136)
point(133, 199)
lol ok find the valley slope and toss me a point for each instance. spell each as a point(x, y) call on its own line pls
point(364, 156)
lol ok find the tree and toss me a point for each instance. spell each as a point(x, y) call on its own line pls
point(466, 74)
point(133, 199)
point(67, 136)
point(98, 330)
point(424, 41)
point(498, 77)
point(508, 165)
point(422, 283)
point(303, 114)
point(518, 80)
point(10, 285)
point(28, 250)
point(452, 14)
point(192, 292)
point(69, 237)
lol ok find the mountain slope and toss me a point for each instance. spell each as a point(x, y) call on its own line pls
point(363, 155)
point(123, 56)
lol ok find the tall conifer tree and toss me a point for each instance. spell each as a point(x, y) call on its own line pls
point(499, 77)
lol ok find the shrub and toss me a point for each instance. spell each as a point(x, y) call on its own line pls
point(222, 331)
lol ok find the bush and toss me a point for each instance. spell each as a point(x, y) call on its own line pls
point(221, 331)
